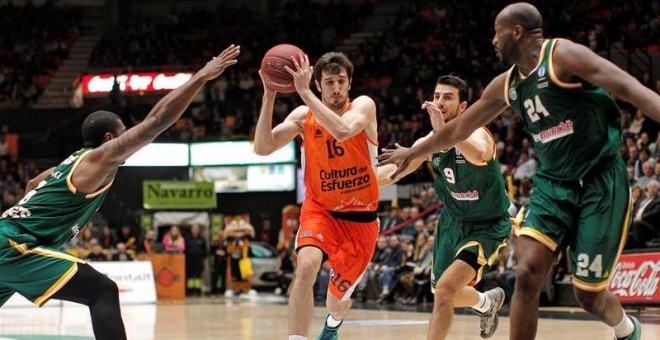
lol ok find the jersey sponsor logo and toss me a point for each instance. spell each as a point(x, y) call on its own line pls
point(513, 94)
point(562, 130)
point(70, 160)
point(305, 234)
point(75, 230)
point(541, 72)
point(354, 202)
point(465, 196)
point(16, 212)
point(543, 81)
point(459, 157)
point(318, 133)
point(347, 180)
point(56, 174)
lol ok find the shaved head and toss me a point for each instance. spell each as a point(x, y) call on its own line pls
point(523, 14)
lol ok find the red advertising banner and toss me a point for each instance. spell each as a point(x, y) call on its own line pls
point(636, 277)
point(99, 84)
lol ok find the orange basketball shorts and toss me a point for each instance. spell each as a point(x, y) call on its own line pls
point(348, 245)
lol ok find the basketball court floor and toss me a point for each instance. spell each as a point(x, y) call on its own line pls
point(264, 317)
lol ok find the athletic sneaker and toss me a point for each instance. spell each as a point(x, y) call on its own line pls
point(637, 332)
point(489, 320)
point(329, 333)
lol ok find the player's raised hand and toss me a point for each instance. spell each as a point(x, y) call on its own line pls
point(400, 156)
point(435, 114)
point(267, 89)
point(217, 65)
point(302, 75)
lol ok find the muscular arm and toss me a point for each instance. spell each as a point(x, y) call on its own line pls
point(479, 148)
point(570, 59)
point(384, 173)
point(37, 179)
point(268, 139)
point(352, 122)
point(489, 106)
point(102, 162)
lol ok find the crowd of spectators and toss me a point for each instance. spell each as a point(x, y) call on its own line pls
point(34, 41)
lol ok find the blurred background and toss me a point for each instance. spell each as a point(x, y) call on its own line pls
point(62, 59)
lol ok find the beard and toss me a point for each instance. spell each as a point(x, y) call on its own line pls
point(507, 54)
point(336, 103)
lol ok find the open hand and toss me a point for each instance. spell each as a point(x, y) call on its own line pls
point(302, 75)
point(217, 65)
point(435, 114)
point(400, 156)
point(267, 90)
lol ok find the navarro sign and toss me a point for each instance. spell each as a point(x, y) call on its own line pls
point(636, 277)
point(99, 84)
point(178, 195)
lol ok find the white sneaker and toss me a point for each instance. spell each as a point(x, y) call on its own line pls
point(489, 320)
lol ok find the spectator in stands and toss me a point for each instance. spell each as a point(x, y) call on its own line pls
point(196, 252)
point(634, 162)
point(127, 237)
point(143, 248)
point(97, 253)
point(107, 238)
point(174, 241)
point(388, 268)
point(219, 274)
point(648, 174)
point(646, 221)
point(526, 167)
point(121, 254)
point(4, 148)
point(393, 219)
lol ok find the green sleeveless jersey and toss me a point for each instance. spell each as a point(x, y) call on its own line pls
point(55, 212)
point(574, 125)
point(470, 192)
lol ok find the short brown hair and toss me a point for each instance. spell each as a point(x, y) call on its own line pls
point(332, 62)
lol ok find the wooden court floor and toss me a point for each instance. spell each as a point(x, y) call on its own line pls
point(265, 318)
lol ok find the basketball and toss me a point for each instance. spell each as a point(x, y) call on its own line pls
point(272, 66)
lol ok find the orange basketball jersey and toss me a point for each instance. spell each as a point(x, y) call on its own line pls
point(339, 176)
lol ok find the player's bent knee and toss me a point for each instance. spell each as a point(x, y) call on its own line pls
point(107, 287)
point(588, 300)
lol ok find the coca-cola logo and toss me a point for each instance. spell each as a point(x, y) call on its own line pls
point(628, 281)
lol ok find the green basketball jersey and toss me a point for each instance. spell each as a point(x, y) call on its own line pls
point(470, 192)
point(55, 212)
point(573, 125)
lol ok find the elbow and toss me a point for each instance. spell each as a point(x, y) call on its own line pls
point(341, 135)
point(262, 150)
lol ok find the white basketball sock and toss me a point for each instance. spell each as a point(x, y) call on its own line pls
point(625, 327)
point(483, 305)
point(297, 337)
point(331, 322)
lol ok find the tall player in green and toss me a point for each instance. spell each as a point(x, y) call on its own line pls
point(473, 225)
point(581, 197)
point(61, 200)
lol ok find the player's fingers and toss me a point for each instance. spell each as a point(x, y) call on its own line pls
point(231, 50)
point(288, 69)
point(295, 63)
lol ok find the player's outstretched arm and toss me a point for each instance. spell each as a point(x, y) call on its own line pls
point(100, 162)
point(32, 183)
point(571, 59)
point(489, 106)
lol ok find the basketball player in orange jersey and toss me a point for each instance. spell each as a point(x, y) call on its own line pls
point(338, 222)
